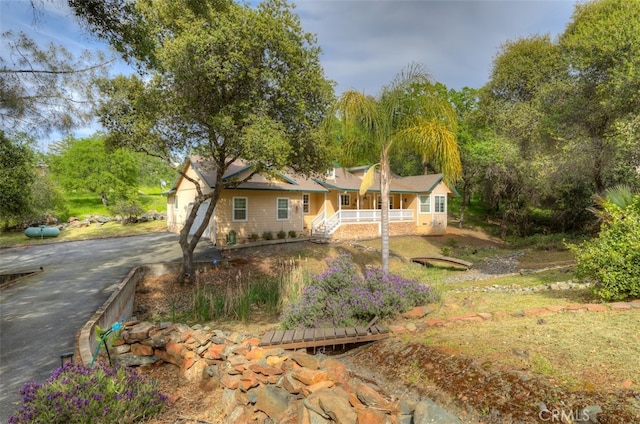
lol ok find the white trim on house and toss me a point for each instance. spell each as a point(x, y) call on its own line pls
point(235, 209)
point(281, 209)
point(440, 205)
point(306, 203)
point(426, 204)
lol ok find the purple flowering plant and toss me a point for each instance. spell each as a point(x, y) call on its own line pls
point(78, 394)
point(340, 296)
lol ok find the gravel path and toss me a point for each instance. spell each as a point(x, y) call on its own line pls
point(490, 268)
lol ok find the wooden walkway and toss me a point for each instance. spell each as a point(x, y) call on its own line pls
point(317, 337)
point(426, 260)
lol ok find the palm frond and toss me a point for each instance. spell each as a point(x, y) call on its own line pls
point(368, 179)
point(620, 195)
point(436, 144)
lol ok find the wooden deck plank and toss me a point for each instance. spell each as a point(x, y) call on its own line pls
point(351, 332)
point(382, 329)
point(277, 337)
point(288, 336)
point(329, 333)
point(318, 333)
point(373, 329)
point(372, 322)
point(298, 335)
point(361, 331)
point(308, 334)
point(266, 339)
point(340, 332)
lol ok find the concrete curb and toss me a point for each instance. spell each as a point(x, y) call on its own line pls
point(118, 306)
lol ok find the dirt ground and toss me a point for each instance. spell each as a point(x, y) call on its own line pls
point(475, 392)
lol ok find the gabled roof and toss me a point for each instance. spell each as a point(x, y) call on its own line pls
point(346, 181)
point(282, 181)
point(343, 181)
point(290, 181)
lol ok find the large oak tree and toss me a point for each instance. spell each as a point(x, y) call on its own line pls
point(224, 81)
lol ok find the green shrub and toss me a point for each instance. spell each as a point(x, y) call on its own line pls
point(341, 297)
point(612, 260)
point(128, 209)
point(282, 234)
point(78, 394)
point(267, 235)
point(293, 234)
point(254, 236)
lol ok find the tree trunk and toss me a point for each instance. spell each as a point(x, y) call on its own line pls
point(385, 188)
point(103, 196)
point(187, 271)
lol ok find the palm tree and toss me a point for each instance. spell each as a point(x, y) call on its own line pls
point(409, 112)
point(620, 196)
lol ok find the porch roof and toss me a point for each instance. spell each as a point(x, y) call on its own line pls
point(346, 181)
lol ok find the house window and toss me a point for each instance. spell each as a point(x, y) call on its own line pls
point(283, 208)
point(175, 202)
point(305, 203)
point(345, 199)
point(441, 204)
point(331, 174)
point(425, 204)
point(240, 208)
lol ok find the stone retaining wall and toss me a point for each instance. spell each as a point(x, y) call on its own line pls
point(262, 384)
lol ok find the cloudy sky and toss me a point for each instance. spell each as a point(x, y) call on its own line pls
point(366, 42)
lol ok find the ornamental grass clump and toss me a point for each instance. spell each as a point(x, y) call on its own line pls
point(341, 297)
point(78, 394)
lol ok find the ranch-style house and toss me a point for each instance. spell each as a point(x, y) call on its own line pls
point(328, 207)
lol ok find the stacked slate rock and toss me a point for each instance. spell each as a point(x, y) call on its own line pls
point(267, 383)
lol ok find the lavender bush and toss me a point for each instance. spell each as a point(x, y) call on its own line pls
point(340, 296)
point(78, 394)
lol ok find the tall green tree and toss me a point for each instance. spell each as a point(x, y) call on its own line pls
point(16, 176)
point(87, 165)
point(602, 47)
point(572, 107)
point(409, 112)
point(43, 89)
point(225, 81)
point(27, 193)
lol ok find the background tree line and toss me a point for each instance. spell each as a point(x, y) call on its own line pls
point(557, 123)
point(37, 186)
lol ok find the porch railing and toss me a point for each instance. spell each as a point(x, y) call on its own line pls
point(318, 220)
point(332, 223)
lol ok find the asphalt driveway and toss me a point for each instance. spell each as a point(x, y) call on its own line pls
point(39, 316)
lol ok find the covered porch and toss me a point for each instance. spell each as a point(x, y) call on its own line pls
point(345, 211)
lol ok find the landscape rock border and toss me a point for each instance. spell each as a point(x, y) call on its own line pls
point(261, 382)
